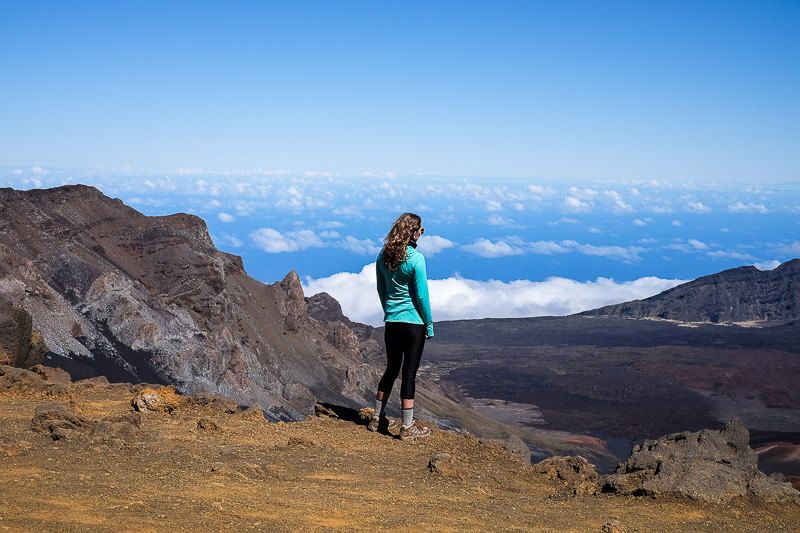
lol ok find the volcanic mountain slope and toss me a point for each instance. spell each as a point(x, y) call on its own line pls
point(742, 294)
point(142, 298)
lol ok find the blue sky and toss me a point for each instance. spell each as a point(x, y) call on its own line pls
point(537, 90)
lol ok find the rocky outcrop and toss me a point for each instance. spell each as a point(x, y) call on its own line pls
point(742, 294)
point(707, 465)
point(576, 475)
point(20, 344)
point(352, 338)
point(156, 400)
point(150, 299)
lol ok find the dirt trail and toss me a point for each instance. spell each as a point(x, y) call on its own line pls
point(247, 474)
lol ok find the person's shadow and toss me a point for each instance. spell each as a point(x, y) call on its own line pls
point(341, 412)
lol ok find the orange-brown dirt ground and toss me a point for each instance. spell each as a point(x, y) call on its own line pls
point(320, 474)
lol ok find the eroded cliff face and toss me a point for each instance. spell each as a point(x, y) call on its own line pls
point(142, 298)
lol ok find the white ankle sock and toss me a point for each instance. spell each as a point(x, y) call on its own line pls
point(408, 417)
point(379, 407)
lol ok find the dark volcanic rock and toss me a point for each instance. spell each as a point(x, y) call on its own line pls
point(707, 465)
point(735, 295)
point(20, 344)
point(150, 299)
point(59, 422)
point(19, 378)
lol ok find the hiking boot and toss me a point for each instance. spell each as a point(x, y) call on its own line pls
point(414, 432)
point(383, 424)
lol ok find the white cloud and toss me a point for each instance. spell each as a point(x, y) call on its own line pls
point(328, 234)
point(697, 245)
point(618, 204)
point(726, 254)
point(546, 247)
point(571, 203)
point(486, 248)
point(225, 217)
point(460, 298)
point(565, 220)
point(739, 207)
point(433, 244)
point(493, 205)
point(639, 222)
point(497, 220)
point(330, 224)
point(360, 246)
point(273, 241)
point(677, 222)
point(791, 248)
point(626, 254)
point(697, 207)
point(767, 265)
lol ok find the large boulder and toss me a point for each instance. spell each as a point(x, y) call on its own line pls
point(20, 344)
point(706, 465)
point(576, 475)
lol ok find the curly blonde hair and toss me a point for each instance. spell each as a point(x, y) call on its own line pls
point(394, 248)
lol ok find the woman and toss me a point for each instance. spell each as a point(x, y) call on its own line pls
point(403, 290)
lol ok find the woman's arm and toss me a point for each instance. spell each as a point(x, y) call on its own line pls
point(381, 282)
point(421, 294)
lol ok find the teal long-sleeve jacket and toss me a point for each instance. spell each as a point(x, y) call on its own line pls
point(404, 292)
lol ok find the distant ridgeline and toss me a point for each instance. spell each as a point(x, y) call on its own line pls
point(743, 294)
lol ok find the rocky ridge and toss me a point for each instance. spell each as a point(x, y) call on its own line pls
point(738, 295)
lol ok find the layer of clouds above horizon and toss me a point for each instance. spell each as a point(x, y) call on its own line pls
point(494, 247)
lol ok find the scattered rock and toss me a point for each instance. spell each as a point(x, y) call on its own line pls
point(253, 413)
point(19, 378)
point(577, 475)
point(53, 375)
point(366, 413)
point(214, 402)
point(204, 424)
point(300, 441)
point(440, 464)
point(321, 410)
point(161, 400)
point(11, 447)
point(59, 422)
point(707, 465)
point(97, 381)
point(612, 526)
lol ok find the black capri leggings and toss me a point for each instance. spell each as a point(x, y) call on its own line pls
point(404, 344)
